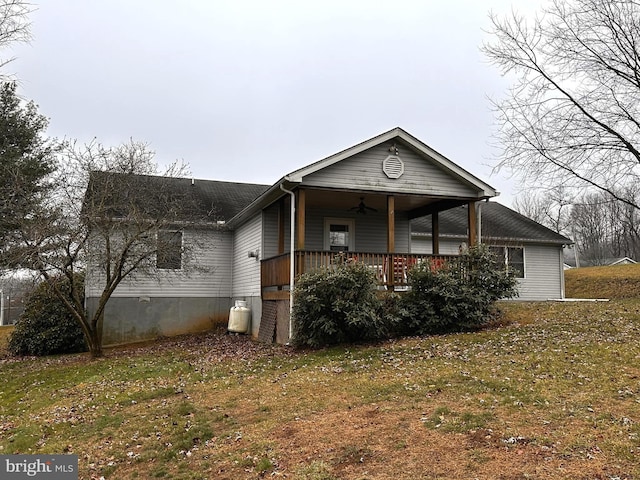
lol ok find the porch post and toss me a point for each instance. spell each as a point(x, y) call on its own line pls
point(391, 238)
point(472, 222)
point(301, 219)
point(435, 231)
point(391, 224)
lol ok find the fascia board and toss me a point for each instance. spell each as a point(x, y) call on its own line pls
point(297, 176)
point(485, 189)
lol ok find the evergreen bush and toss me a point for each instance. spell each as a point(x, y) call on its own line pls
point(455, 296)
point(335, 305)
point(341, 304)
point(46, 327)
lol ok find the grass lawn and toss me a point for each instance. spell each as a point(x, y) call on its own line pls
point(620, 281)
point(5, 331)
point(553, 393)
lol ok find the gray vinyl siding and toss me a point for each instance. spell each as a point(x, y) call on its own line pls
point(270, 231)
point(421, 244)
point(543, 271)
point(246, 270)
point(370, 230)
point(364, 172)
point(206, 275)
point(170, 302)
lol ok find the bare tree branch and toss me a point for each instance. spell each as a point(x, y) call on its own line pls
point(15, 26)
point(572, 117)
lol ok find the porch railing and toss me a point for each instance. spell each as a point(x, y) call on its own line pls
point(390, 268)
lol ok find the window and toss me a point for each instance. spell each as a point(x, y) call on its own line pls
point(169, 253)
point(339, 234)
point(511, 257)
point(515, 260)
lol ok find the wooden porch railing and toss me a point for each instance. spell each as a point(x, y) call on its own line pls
point(390, 268)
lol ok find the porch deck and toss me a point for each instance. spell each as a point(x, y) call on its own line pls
point(390, 268)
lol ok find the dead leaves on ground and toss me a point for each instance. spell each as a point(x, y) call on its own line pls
point(557, 396)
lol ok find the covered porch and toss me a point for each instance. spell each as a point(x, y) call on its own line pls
point(356, 205)
point(329, 227)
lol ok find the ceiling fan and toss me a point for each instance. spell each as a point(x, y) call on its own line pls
point(362, 208)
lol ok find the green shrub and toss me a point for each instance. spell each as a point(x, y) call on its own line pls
point(459, 295)
point(336, 305)
point(341, 304)
point(46, 327)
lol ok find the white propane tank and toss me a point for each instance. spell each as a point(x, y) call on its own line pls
point(239, 317)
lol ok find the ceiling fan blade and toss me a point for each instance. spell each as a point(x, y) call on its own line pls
point(362, 208)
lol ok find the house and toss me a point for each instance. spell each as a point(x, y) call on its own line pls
point(570, 261)
point(531, 250)
point(620, 261)
point(361, 203)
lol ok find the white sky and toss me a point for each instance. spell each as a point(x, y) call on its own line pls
point(251, 90)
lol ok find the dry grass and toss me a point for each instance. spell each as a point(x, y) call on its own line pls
point(5, 332)
point(621, 281)
point(553, 393)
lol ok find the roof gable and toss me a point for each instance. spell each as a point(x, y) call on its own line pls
point(398, 135)
point(290, 181)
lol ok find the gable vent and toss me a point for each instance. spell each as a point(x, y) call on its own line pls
point(393, 167)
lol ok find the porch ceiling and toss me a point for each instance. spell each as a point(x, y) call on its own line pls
point(336, 199)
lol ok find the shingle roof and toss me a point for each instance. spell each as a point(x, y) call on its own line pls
point(203, 199)
point(228, 198)
point(498, 222)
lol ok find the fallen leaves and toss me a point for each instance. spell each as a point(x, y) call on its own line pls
point(554, 398)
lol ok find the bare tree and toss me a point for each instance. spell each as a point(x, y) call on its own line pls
point(108, 216)
point(551, 208)
point(14, 24)
point(572, 117)
point(591, 230)
point(606, 228)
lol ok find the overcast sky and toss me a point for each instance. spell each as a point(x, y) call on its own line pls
point(252, 90)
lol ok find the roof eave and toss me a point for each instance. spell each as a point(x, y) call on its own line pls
point(270, 195)
point(537, 241)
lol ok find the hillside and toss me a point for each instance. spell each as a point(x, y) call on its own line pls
point(621, 281)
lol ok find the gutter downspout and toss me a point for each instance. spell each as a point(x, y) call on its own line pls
point(292, 254)
point(479, 223)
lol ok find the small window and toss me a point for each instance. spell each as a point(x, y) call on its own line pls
point(515, 260)
point(339, 234)
point(338, 238)
point(169, 254)
point(511, 257)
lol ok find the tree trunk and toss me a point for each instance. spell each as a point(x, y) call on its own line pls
point(95, 344)
point(94, 339)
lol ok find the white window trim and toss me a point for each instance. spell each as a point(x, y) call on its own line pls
point(350, 222)
point(506, 257)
